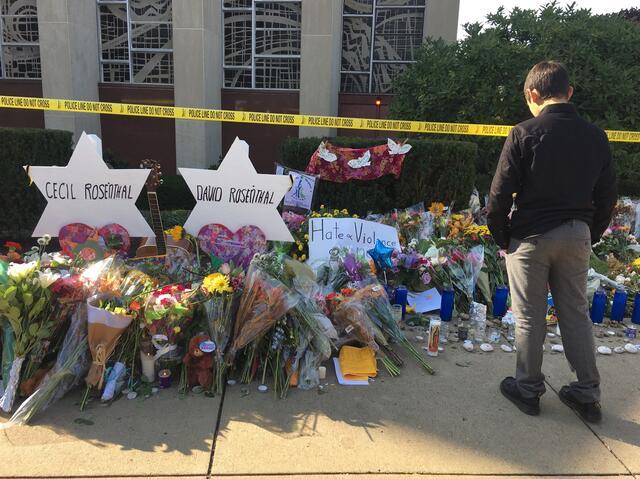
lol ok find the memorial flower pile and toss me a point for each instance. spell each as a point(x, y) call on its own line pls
point(276, 320)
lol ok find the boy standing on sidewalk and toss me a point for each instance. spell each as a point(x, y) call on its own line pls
point(559, 169)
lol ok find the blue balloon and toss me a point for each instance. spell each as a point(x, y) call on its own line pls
point(381, 256)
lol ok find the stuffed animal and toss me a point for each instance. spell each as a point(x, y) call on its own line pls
point(199, 364)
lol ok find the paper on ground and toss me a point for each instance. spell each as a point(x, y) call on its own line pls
point(426, 301)
point(347, 382)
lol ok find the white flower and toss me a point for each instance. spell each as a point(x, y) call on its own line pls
point(47, 278)
point(18, 272)
point(432, 253)
point(42, 241)
point(225, 269)
point(59, 259)
point(620, 279)
point(47, 238)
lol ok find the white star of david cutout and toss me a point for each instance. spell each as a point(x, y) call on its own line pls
point(87, 191)
point(235, 195)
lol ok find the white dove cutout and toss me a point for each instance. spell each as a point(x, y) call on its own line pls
point(364, 160)
point(325, 154)
point(397, 149)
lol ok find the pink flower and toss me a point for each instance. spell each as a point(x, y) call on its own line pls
point(456, 256)
point(502, 253)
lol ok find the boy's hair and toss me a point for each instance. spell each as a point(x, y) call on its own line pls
point(550, 78)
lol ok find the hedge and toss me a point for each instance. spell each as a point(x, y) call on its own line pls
point(434, 170)
point(23, 204)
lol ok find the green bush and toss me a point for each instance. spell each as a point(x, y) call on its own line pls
point(628, 169)
point(479, 79)
point(433, 170)
point(23, 204)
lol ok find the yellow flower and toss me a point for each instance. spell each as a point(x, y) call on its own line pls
point(303, 257)
point(355, 216)
point(436, 209)
point(176, 232)
point(321, 207)
point(300, 247)
point(177, 330)
point(636, 263)
point(345, 212)
point(306, 237)
point(336, 212)
point(329, 215)
point(217, 283)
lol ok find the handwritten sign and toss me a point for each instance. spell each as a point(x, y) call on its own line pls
point(301, 193)
point(87, 191)
point(235, 195)
point(356, 234)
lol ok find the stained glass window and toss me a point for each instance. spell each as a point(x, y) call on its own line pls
point(379, 39)
point(136, 41)
point(19, 39)
point(262, 42)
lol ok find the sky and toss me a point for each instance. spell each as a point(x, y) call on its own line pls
point(476, 10)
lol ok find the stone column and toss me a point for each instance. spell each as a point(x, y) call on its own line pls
point(320, 61)
point(441, 19)
point(69, 55)
point(197, 57)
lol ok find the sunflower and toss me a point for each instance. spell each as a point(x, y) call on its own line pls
point(436, 209)
point(176, 232)
point(217, 283)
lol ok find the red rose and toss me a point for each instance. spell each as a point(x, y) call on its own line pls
point(13, 245)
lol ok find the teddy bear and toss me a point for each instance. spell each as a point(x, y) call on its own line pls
point(199, 364)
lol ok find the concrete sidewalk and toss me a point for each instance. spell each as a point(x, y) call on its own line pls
point(446, 425)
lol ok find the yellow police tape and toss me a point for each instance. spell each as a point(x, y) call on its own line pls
point(184, 113)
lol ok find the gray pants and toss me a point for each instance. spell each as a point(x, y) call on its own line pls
point(558, 259)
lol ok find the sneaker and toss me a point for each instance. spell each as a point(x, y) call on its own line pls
point(590, 412)
point(509, 389)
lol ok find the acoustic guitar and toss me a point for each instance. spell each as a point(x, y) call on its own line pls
point(158, 245)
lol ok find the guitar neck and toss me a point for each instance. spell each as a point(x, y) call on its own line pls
point(156, 222)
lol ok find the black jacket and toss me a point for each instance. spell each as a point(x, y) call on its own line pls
point(559, 168)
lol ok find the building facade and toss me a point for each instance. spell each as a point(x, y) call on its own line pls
point(326, 57)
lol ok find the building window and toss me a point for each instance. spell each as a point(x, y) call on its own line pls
point(19, 39)
point(262, 41)
point(136, 41)
point(379, 39)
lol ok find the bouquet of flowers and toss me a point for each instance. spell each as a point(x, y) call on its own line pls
point(25, 304)
point(617, 241)
point(167, 310)
point(221, 293)
point(71, 365)
point(264, 302)
point(109, 315)
point(440, 218)
point(376, 304)
point(308, 333)
point(464, 268)
point(13, 252)
point(494, 260)
point(410, 223)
